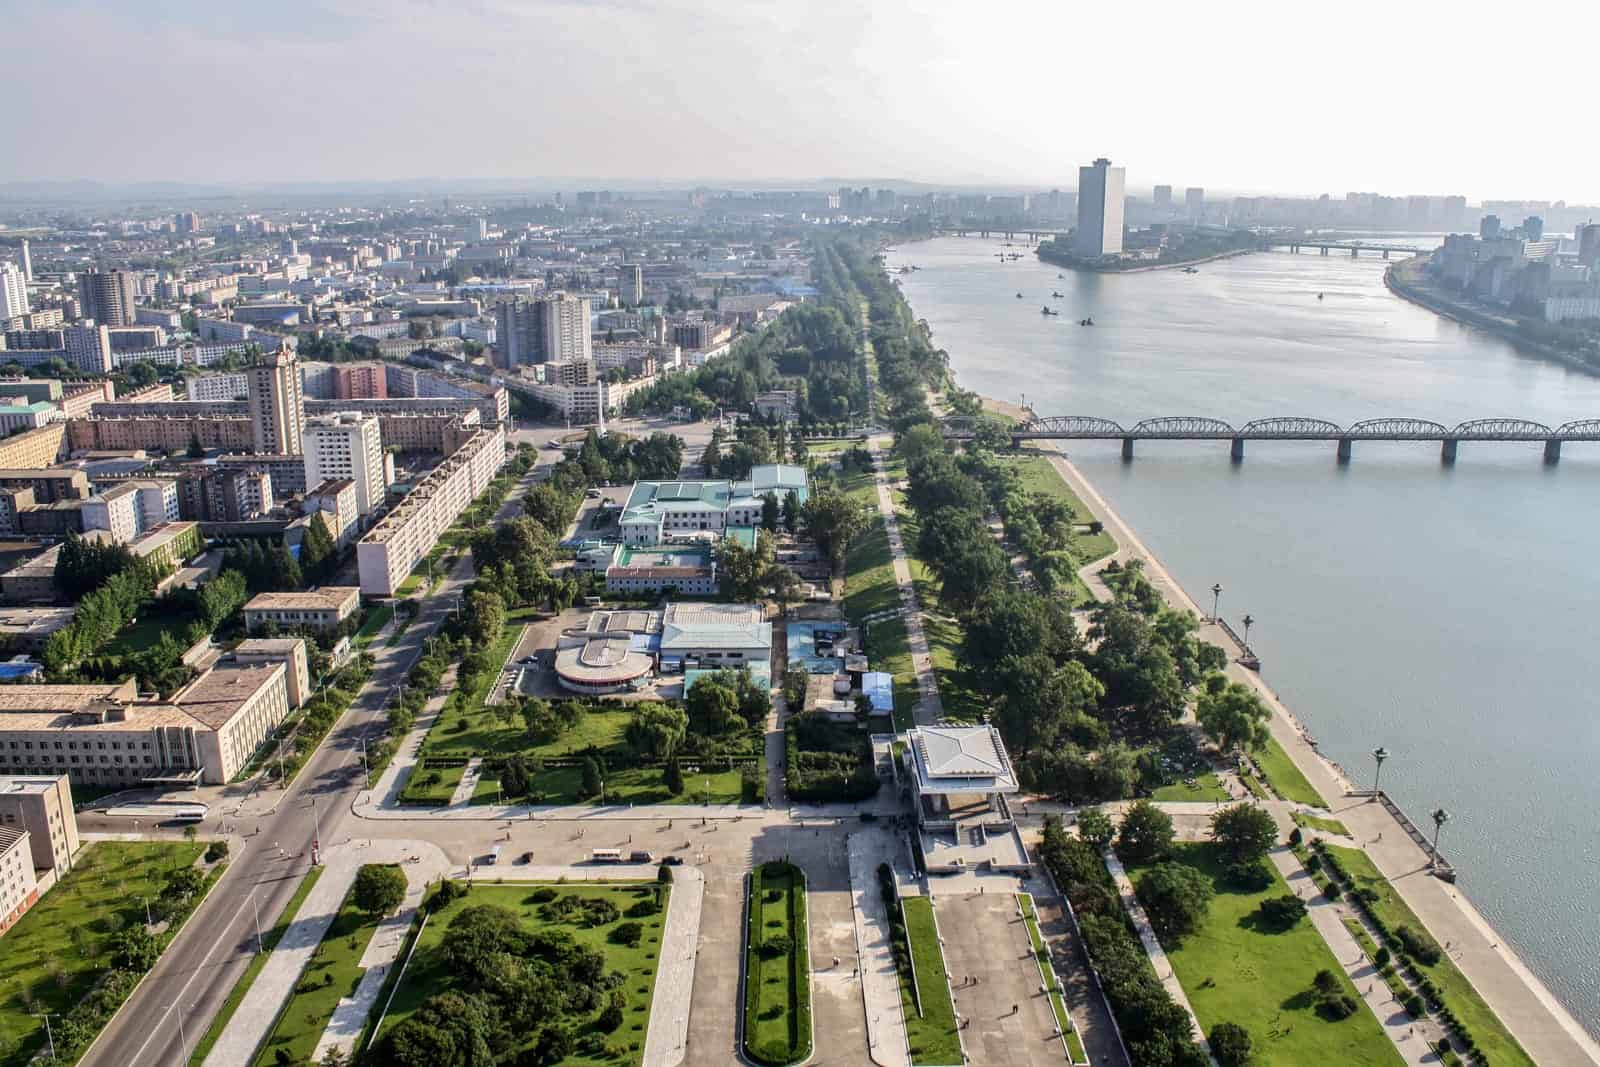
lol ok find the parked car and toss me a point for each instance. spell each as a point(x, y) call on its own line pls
point(525, 858)
point(672, 861)
point(641, 856)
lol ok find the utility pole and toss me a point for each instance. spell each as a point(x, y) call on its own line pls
point(1379, 754)
point(49, 1034)
point(1216, 599)
point(260, 947)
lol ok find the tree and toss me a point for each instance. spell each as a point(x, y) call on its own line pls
point(1230, 1044)
point(1145, 833)
point(1245, 832)
point(770, 510)
point(135, 949)
point(318, 552)
point(833, 520)
point(1176, 897)
point(196, 449)
point(672, 777)
point(1039, 697)
point(1231, 714)
point(1094, 826)
point(592, 782)
point(744, 570)
point(379, 889)
point(656, 731)
point(713, 707)
point(791, 509)
point(485, 616)
point(1282, 912)
point(515, 781)
point(785, 586)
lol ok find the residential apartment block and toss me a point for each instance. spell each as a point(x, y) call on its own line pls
point(316, 609)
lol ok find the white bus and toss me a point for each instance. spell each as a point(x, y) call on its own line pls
point(606, 855)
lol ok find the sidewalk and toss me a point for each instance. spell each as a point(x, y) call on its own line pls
point(1543, 1025)
point(468, 784)
point(929, 709)
point(258, 1011)
point(1152, 946)
point(880, 979)
point(1328, 918)
point(666, 1040)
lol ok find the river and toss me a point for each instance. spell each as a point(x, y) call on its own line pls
point(1446, 613)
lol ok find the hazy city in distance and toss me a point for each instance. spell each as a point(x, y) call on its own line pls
point(549, 534)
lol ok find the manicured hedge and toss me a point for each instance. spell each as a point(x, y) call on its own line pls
point(789, 999)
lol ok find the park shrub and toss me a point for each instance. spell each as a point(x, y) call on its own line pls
point(1413, 1006)
point(664, 874)
point(1252, 876)
point(1332, 891)
point(1294, 836)
point(1418, 945)
point(628, 933)
point(643, 909)
point(1282, 912)
point(217, 850)
point(777, 945)
point(543, 895)
point(1230, 1044)
point(1382, 956)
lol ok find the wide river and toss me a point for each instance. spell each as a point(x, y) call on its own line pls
point(1450, 614)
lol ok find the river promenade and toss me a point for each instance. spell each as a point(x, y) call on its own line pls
point(1529, 1010)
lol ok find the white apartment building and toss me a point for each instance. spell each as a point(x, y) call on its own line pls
point(41, 805)
point(13, 291)
point(335, 499)
point(219, 387)
point(392, 549)
point(1101, 190)
point(19, 886)
point(115, 510)
point(347, 446)
point(157, 500)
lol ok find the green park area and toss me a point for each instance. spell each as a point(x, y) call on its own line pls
point(79, 952)
point(1454, 991)
point(1039, 475)
point(777, 985)
point(1204, 787)
point(929, 1012)
point(269, 941)
point(1284, 777)
point(590, 949)
point(333, 973)
point(1237, 967)
point(1313, 822)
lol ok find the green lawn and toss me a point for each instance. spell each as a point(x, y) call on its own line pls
point(932, 1035)
point(957, 692)
point(869, 584)
point(431, 785)
point(465, 727)
point(1205, 787)
point(1493, 1039)
point(1284, 777)
point(1039, 475)
point(58, 950)
point(428, 974)
point(1236, 971)
point(777, 985)
point(1312, 822)
point(269, 940)
point(333, 972)
point(627, 785)
point(145, 632)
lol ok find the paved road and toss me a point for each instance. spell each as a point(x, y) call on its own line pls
point(929, 709)
point(194, 976)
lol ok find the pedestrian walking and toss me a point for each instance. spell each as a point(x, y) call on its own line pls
point(1015, 1008)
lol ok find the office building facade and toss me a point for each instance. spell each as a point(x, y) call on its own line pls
point(277, 410)
point(545, 329)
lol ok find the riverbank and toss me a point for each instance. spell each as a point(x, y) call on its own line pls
point(1174, 265)
point(1527, 1008)
point(1505, 329)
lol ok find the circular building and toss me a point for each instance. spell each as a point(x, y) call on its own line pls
point(605, 663)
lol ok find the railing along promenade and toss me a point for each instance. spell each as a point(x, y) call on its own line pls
point(1194, 428)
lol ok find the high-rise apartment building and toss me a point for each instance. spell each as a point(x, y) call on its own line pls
point(546, 329)
point(347, 446)
point(108, 297)
point(1100, 202)
point(1161, 196)
point(630, 283)
point(27, 261)
point(1194, 201)
point(186, 222)
point(13, 291)
point(360, 381)
point(277, 411)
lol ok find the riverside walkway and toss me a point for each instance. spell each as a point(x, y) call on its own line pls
point(929, 708)
point(1540, 1022)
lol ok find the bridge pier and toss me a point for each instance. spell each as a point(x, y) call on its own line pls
point(1385, 253)
point(1447, 451)
point(1552, 451)
point(1324, 250)
point(1236, 450)
point(1127, 450)
point(1344, 449)
point(1354, 252)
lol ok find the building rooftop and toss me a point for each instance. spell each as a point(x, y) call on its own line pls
point(60, 698)
point(961, 759)
point(33, 623)
point(649, 500)
point(160, 537)
point(29, 783)
point(268, 644)
point(328, 598)
point(696, 625)
point(216, 696)
point(9, 838)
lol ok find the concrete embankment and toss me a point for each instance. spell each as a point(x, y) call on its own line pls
point(1153, 266)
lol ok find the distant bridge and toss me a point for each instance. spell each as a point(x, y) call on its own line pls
point(1355, 248)
point(1195, 428)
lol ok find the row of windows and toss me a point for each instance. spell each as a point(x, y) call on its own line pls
point(72, 746)
point(25, 760)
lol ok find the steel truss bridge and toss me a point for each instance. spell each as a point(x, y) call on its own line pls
point(1195, 428)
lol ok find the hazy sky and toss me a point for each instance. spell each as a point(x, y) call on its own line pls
point(1396, 96)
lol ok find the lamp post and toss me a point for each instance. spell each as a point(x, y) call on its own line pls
point(366, 775)
point(1248, 621)
point(1216, 599)
point(1379, 754)
point(316, 840)
point(1440, 817)
point(49, 1035)
point(183, 1038)
point(254, 908)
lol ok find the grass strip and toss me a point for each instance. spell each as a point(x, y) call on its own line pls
point(777, 982)
point(1284, 777)
point(933, 1036)
point(269, 941)
point(1327, 826)
point(1047, 971)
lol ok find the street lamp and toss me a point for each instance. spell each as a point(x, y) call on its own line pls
point(1216, 598)
point(183, 1039)
point(49, 1035)
point(1248, 621)
point(254, 908)
point(1379, 754)
point(1440, 817)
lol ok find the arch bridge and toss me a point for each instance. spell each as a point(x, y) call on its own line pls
point(1288, 428)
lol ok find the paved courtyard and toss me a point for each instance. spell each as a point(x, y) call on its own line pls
point(985, 938)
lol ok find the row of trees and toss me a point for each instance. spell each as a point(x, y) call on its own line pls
point(101, 613)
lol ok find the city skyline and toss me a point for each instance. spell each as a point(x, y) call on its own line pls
point(952, 96)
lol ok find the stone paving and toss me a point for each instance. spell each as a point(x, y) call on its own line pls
point(984, 938)
point(880, 978)
point(929, 709)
